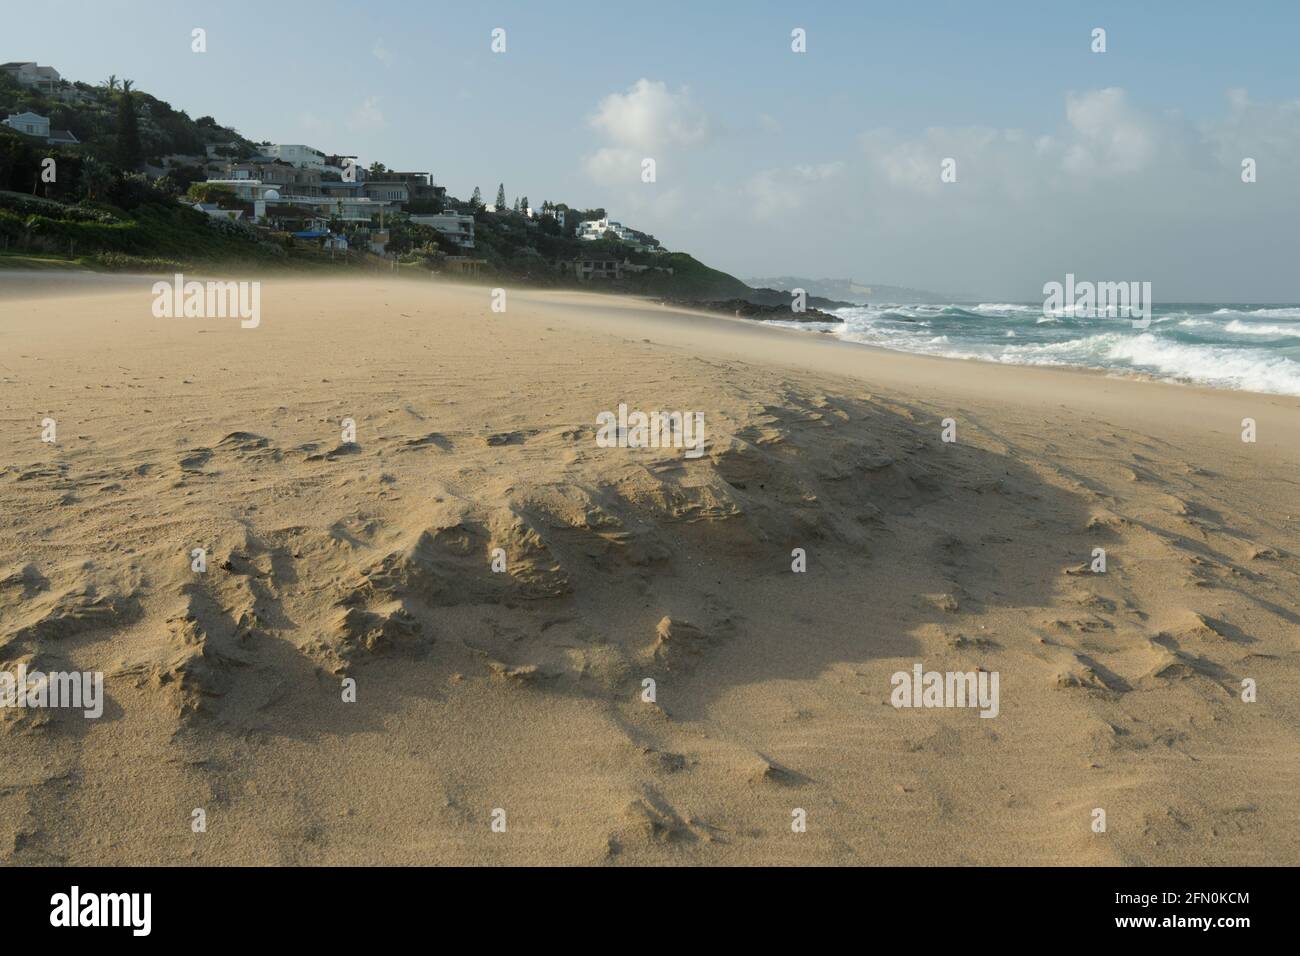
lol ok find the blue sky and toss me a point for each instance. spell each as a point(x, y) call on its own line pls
point(1122, 164)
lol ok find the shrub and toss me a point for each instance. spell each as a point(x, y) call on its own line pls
point(120, 262)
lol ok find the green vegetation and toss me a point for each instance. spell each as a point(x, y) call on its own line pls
point(94, 115)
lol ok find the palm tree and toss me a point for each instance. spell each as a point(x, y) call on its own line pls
point(96, 177)
point(111, 82)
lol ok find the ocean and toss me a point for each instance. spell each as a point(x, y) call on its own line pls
point(1247, 347)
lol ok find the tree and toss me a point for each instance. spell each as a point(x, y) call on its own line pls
point(377, 168)
point(95, 179)
point(501, 198)
point(128, 152)
point(476, 200)
point(523, 205)
point(111, 83)
point(223, 196)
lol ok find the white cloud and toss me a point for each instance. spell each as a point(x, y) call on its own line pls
point(648, 121)
point(649, 116)
point(614, 165)
point(380, 53)
point(1101, 186)
point(1102, 137)
point(1109, 136)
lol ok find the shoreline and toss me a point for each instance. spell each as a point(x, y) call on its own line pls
point(42, 284)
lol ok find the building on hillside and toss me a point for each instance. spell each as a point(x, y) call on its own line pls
point(459, 228)
point(341, 190)
point(354, 210)
point(289, 180)
point(62, 137)
point(33, 124)
point(248, 190)
point(596, 229)
point(420, 185)
point(586, 269)
point(394, 191)
point(42, 78)
point(345, 168)
point(296, 154)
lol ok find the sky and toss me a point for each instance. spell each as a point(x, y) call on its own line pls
point(1113, 166)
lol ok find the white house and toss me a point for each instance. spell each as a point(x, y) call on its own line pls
point(596, 229)
point(460, 228)
point(28, 73)
point(296, 154)
point(29, 123)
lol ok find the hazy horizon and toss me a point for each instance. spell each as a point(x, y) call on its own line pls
point(1114, 166)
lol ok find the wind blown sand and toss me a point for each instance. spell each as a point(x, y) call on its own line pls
point(523, 690)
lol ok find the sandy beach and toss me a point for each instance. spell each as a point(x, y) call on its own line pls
point(517, 695)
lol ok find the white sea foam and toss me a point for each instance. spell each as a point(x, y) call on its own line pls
point(1288, 312)
point(1228, 348)
point(1237, 327)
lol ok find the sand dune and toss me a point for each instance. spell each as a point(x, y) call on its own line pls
point(522, 688)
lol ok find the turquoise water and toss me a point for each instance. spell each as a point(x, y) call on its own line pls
point(1250, 347)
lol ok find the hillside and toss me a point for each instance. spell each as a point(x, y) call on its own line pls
point(102, 209)
point(90, 113)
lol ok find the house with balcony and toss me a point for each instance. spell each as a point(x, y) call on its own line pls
point(338, 189)
point(44, 79)
point(289, 180)
point(387, 190)
point(596, 229)
point(456, 226)
point(248, 190)
point(419, 185)
point(354, 210)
